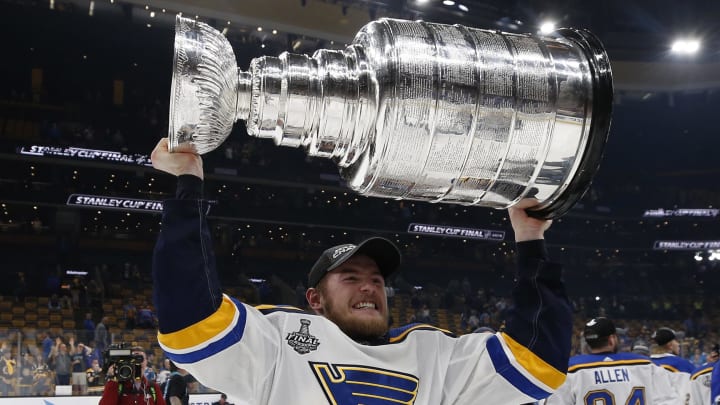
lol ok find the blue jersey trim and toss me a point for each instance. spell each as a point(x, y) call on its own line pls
point(510, 373)
point(232, 337)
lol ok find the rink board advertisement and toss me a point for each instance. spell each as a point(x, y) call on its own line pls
point(195, 399)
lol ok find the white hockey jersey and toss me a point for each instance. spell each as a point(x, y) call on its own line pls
point(697, 390)
point(615, 379)
point(282, 355)
point(277, 355)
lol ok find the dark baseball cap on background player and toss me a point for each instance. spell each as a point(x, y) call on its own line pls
point(385, 254)
point(663, 336)
point(598, 328)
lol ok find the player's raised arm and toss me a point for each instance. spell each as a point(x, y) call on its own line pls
point(185, 284)
point(540, 325)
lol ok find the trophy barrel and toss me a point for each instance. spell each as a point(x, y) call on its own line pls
point(485, 118)
point(601, 107)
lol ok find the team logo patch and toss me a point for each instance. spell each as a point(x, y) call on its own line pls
point(356, 384)
point(341, 250)
point(302, 341)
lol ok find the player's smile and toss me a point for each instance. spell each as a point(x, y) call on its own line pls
point(365, 305)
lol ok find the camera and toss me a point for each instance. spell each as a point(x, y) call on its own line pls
point(127, 366)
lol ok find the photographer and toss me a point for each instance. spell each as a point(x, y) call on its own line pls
point(126, 383)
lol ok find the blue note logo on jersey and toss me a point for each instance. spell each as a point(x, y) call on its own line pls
point(302, 341)
point(347, 384)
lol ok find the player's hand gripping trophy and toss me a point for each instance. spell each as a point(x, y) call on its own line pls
point(413, 110)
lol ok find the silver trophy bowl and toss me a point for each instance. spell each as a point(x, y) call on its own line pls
point(413, 110)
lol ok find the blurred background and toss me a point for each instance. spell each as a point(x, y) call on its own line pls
point(84, 94)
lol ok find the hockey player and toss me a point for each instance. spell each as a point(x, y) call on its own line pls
point(668, 351)
point(607, 377)
point(343, 353)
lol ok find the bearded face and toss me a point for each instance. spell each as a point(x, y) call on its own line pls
point(353, 297)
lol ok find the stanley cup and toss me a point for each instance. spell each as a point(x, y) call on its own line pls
point(413, 110)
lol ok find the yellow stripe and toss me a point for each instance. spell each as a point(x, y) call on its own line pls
point(422, 326)
point(543, 371)
point(264, 307)
point(671, 368)
point(701, 372)
point(202, 331)
point(608, 363)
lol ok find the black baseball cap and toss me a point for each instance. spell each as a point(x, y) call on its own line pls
point(597, 328)
point(663, 335)
point(385, 253)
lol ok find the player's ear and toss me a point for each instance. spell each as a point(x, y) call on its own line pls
point(313, 298)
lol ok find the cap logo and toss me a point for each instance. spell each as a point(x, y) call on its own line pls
point(341, 250)
point(591, 323)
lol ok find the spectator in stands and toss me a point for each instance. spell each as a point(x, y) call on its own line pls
point(94, 293)
point(149, 372)
point(145, 317)
point(88, 327)
point(26, 374)
point(102, 338)
point(641, 347)
point(8, 372)
point(423, 315)
point(94, 374)
point(79, 366)
point(61, 363)
point(163, 373)
point(47, 345)
point(54, 303)
point(43, 381)
point(130, 314)
point(698, 358)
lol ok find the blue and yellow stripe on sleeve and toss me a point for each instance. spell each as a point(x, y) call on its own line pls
point(522, 368)
point(207, 337)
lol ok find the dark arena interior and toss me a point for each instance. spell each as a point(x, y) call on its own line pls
point(84, 98)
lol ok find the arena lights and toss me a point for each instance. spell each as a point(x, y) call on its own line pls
point(685, 46)
point(710, 255)
point(547, 27)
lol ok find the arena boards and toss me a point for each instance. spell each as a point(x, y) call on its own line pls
point(195, 399)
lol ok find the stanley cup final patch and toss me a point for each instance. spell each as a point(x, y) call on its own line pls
point(302, 341)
